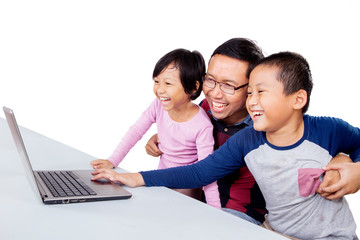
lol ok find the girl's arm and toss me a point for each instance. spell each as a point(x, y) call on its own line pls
point(205, 146)
point(134, 134)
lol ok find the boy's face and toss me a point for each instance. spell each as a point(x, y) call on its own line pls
point(268, 106)
point(229, 108)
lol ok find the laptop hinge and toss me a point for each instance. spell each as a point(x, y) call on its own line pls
point(40, 187)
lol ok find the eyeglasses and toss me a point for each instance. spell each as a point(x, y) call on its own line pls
point(224, 87)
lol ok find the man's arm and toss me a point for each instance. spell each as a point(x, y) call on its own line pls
point(332, 176)
point(349, 182)
point(348, 141)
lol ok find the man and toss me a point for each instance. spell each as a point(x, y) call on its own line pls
point(225, 89)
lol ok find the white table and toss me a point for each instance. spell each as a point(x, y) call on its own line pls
point(151, 213)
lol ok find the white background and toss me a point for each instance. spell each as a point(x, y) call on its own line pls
point(80, 71)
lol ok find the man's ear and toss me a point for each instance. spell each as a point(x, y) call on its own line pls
point(300, 99)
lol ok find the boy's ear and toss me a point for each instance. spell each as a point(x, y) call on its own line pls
point(300, 99)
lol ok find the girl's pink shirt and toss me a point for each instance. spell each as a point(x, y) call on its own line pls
point(182, 143)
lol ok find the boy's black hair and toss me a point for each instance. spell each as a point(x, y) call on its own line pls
point(191, 66)
point(242, 49)
point(293, 72)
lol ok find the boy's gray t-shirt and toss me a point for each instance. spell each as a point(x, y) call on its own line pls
point(278, 168)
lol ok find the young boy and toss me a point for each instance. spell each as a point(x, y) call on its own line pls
point(285, 150)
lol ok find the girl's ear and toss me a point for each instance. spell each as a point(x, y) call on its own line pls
point(300, 99)
point(197, 85)
point(195, 93)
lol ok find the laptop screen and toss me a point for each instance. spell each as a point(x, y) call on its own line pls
point(20, 146)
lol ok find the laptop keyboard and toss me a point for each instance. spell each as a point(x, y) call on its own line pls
point(65, 183)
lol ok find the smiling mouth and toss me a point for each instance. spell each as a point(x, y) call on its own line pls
point(164, 100)
point(257, 113)
point(219, 106)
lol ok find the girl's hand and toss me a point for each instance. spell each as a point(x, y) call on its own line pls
point(101, 163)
point(129, 179)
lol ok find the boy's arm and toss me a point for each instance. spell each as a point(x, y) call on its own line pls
point(222, 162)
point(195, 175)
point(128, 179)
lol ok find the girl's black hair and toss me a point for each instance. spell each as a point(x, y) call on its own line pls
point(191, 66)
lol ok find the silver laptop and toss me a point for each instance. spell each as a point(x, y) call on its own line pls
point(67, 186)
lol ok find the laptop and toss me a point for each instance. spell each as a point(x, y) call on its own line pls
point(67, 186)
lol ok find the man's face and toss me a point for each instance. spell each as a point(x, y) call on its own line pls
point(228, 108)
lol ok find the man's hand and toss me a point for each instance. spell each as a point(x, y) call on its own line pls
point(349, 182)
point(152, 146)
point(129, 179)
point(101, 163)
point(331, 177)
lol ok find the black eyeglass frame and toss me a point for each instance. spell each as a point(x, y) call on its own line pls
point(221, 84)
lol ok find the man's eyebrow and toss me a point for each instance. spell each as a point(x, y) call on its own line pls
point(225, 80)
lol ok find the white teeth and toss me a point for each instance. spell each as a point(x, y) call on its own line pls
point(218, 105)
point(164, 99)
point(257, 113)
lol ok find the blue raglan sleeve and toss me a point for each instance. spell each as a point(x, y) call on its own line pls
point(349, 139)
point(223, 161)
point(336, 135)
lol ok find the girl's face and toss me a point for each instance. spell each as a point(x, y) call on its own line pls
point(169, 90)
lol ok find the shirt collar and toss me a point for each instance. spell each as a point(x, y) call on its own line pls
point(248, 121)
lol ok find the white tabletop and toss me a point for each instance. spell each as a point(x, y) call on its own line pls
point(151, 213)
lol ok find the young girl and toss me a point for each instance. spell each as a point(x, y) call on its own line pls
point(184, 130)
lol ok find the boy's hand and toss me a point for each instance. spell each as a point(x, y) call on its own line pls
point(101, 163)
point(129, 179)
point(152, 146)
point(349, 182)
